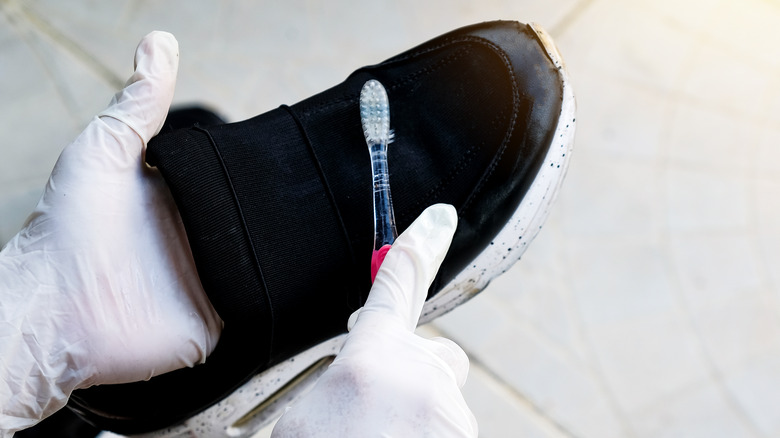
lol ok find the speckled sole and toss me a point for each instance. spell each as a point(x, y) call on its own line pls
point(263, 398)
point(259, 401)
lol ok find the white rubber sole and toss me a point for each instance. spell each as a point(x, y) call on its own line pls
point(265, 397)
point(259, 401)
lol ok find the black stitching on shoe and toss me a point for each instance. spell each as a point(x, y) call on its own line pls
point(353, 97)
point(434, 191)
point(512, 122)
point(430, 69)
point(246, 233)
point(515, 102)
point(510, 129)
point(331, 197)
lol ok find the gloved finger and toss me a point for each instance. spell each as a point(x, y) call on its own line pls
point(401, 285)
point(453, 356)
point(144, 102)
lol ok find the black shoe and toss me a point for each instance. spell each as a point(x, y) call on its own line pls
point(278, 212)
point(62, 424)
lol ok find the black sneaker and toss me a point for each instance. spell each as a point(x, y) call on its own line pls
point(278, 212)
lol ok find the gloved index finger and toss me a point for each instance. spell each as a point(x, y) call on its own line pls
point(402, 283)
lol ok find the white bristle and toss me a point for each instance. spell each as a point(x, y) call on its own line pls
point(375, 112)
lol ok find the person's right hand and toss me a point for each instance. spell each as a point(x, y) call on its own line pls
point(387, 381)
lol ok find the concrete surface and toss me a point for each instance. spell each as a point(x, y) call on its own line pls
point(647, 307)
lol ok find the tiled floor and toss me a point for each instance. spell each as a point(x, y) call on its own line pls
point(649, 306)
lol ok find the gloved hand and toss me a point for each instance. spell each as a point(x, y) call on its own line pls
point(100, 285)
point(387, 381)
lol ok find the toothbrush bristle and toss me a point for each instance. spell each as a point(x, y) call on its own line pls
point(375, 112)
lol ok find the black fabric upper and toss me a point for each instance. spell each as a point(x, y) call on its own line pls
point(278, 208)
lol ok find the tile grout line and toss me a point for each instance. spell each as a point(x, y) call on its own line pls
point(535, 412)
point(684, 306)
point(561, 27)
point(574, 13)
point(66, 43)
point(754, 178)
point(35, 44)
point(23, 29)
point(594, 367)
point(714, 372)
point(540, 417)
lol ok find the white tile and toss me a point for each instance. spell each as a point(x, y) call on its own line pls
point(703, 136)
point(42, 86)
point(715, 78)
point(79, 89)
point(501, 413)
point(738, 330)
point(7, 33)
point(480, 319)
point(20, 71)
point(16, 204)
point(693, 16)
point(767, 157)
point(748, 29)
point(647, 359)
point(701, 412)
point(700, 201)
point(756, 390)
point(81, 23)
point(560, 388)
point(769, 247)
point(611, 197)
point(625, 42)
point(618, 119)
point(33, 152)
point(618, 281)
point(108, 14)
point(715, 267)
point(539, 303)
point(549, 14)
point(194, 25)
point(773, 108)
point(767, 205)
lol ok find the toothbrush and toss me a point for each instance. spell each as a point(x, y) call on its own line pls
point(375, 118)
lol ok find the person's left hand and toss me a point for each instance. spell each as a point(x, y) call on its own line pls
point(100, 286)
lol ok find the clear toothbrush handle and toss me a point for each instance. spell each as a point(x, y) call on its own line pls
point(384, 218)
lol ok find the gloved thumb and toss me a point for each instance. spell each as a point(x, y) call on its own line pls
point(401, 285)
point(144, 102)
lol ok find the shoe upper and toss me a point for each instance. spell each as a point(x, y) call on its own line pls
point(278, 208)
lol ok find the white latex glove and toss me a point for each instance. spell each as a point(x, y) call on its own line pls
point(387, 381)
point(100, 285)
